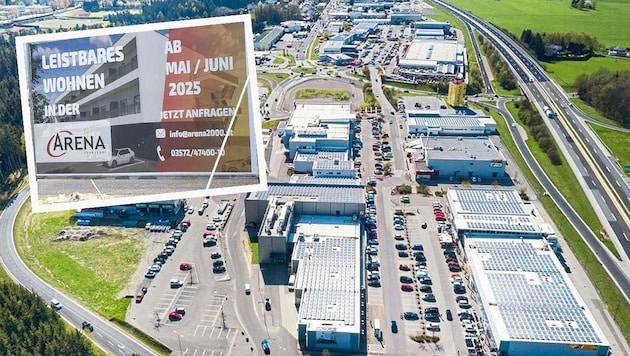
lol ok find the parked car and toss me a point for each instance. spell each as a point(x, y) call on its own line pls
point(406, 287)
point(209, 242)
point(394, 327)
point(176, 283)
point(425, 289)
point(429, 297)
point(173, 316)
point(432, 326)
point(218, 269)
point(217, 263)
point(267, 304)
point(404, 267)
point(402, 247)
point(180, 310)
point(121, 156)
point(399, 237)
point(155, 268)
point(410, 316)
point(215, 255)
point(403, 254)
point(406, 279)
point(185, 266)
point(150, 274)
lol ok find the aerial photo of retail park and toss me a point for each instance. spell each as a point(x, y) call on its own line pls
point(392, 178)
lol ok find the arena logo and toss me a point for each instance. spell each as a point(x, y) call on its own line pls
point(65, 140)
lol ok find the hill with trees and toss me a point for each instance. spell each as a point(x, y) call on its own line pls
point(608, 92)
point(30, 327)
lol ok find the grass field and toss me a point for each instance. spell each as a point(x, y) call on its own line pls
point(617, 143)
point(565, 72)
point(337, 95)
point(92, 271)
point(609, 22)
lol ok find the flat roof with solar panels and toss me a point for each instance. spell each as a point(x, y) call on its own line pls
point(477, 212)
point(327, 258)
point(530, 304)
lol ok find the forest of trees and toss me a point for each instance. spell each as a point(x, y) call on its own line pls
point(608, 92)
point(500, 69)
point(30, 327)
point(529, 115)
point(12, 154)
point(169, 10)
point(573, 44)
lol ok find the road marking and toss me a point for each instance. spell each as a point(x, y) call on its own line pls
point(608, 169)
point(626, 237)
point(618, 184)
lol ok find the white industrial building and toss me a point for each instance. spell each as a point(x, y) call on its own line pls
point(432, 58)
point(318, 127)
point(327, 265)
point(315, 163)
point(492, 212)
point(460, 158)
point(314, 226)
point(528, 304)
point(436, 123)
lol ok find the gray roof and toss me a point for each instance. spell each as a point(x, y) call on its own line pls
point(535, 301)
point(462, 148)
point(309, 179)
point(486, 201)
point(323, 193)
point(328, 273)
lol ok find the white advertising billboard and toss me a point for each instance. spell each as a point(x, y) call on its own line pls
point(140, 113)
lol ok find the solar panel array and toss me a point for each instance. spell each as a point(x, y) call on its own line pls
point(534, 300)
point(328, 275)
point(499, 223)
point(323, 193)
point(504, 202)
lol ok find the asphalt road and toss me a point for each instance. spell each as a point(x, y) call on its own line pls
point(107, 336)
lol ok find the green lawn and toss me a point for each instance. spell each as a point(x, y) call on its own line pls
point(270, 124)
point(278, 60)
point(609, 22)
point(92, 271)
point(617, 143)
point(565, 72)
point(276, 77)
point(337, 95)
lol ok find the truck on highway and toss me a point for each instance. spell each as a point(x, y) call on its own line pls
point(550, 114)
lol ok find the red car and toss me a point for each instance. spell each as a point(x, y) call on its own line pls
point(406, 287)
point(185, 266)
point(404, 267)
point(186, 222)
point(139, 297)
point(208, 233)
point(173, 316)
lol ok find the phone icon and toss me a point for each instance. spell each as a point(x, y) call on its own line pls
point(159, 153)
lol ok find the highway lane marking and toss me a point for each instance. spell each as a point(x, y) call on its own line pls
point(626, 237)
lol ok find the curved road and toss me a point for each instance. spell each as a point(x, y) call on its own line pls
point(107, 336)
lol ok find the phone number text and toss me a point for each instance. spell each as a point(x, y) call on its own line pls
point(196, 152)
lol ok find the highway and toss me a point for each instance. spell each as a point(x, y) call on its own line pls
point(542, 90)
point(107, 336)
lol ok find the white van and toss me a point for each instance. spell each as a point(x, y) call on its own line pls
point(247, 289)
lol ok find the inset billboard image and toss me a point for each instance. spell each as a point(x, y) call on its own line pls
point(139, 113)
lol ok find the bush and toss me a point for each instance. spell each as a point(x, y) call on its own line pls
point(404, 189)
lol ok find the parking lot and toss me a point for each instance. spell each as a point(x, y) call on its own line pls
point(187, 283)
